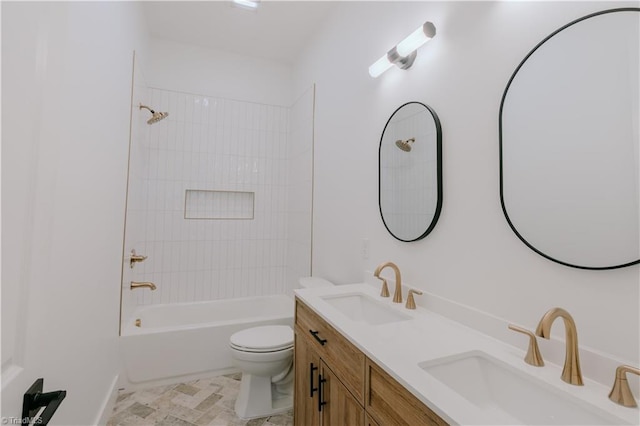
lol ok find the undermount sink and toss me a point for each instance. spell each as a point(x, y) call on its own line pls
point(363, 308)
point(501, 391)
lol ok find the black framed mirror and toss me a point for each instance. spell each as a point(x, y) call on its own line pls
point(569, 136)
point(410, 172)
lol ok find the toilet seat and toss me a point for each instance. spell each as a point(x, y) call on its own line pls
point(270, 338)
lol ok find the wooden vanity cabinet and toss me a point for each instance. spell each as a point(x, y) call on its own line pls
point(390, 403)
point(337, 385)
point(368, 421)
point(329, 374)
point(341, 407)
point(305, 398)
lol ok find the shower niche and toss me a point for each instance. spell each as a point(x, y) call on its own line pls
point(199, 204)
point(410, 172)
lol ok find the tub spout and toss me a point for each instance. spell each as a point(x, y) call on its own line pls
point(136, 284)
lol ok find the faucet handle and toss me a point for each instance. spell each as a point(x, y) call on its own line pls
point(533, 356)
point(621, 393)
point(385, 288)
point(411, 302)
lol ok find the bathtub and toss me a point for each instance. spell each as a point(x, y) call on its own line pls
point(184, 341)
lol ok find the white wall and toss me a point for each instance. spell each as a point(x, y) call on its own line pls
point(66, 87)
point(193, 69)
point(471, 257)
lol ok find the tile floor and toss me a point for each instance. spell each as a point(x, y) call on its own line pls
point(201, 402)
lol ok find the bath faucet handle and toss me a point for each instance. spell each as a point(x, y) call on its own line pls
point(533, 356)
point(621, 393)
point(134, 258)
point(385, 288)
point(411, 303)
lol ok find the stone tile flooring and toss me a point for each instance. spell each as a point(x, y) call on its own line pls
point(201, 402)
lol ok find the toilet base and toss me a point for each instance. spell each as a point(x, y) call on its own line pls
point(258, 398)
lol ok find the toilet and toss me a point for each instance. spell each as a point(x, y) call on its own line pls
point(264, 355)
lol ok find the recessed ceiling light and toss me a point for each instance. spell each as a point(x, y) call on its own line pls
point(248, 4)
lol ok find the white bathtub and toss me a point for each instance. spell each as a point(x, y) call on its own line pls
point(184, 341)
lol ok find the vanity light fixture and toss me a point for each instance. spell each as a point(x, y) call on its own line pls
point(404, 53)
point(248, 4)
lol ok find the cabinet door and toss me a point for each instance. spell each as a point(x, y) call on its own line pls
point(339, 406)
point(368, 421)
point(391, 404)
point(346, 361)
point(307, 371)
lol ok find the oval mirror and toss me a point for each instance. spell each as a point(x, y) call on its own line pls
point(569, 135)
point(410, 172)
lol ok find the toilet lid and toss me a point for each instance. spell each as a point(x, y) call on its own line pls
point(263, 339)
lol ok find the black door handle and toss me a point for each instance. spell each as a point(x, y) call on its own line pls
point(311, 388)
point(34, 400)
point(321, 381)
point(315, 335)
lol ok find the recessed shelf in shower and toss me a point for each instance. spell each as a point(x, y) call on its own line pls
point(214, 204)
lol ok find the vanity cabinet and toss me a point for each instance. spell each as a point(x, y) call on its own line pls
point(305, 399)
point(337, 385)
point(390, 403)
point(341, 407)
point(329, 374)
point(368, 421)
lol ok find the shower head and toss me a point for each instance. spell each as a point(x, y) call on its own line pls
point(405, 145)
point(155, 116)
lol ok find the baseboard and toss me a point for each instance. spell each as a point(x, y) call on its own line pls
point(127, 385)
point(108, 404)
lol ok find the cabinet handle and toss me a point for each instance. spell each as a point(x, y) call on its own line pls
point(312, 389)
point(315, 334)
point(321, 381)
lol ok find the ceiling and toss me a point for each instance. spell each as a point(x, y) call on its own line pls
point(277, 30)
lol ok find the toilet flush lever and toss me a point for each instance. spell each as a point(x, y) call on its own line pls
point(135, 258)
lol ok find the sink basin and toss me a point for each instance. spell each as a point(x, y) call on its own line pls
point(511, 396)
point(363, 308)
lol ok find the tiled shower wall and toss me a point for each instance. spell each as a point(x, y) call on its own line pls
point(213, 144)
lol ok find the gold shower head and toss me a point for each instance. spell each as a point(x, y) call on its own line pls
point(405, 145)
point(155, 116)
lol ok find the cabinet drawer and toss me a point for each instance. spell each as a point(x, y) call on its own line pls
point(389, 403)
point(346, 361)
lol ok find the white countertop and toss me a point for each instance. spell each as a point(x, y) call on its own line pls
point(399, 347)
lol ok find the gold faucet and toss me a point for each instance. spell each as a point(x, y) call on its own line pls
point(621, 393)
point(397, 295)
point(571, 372)
point(136, 284)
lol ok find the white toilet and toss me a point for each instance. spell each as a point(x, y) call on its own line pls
point(264, 355)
